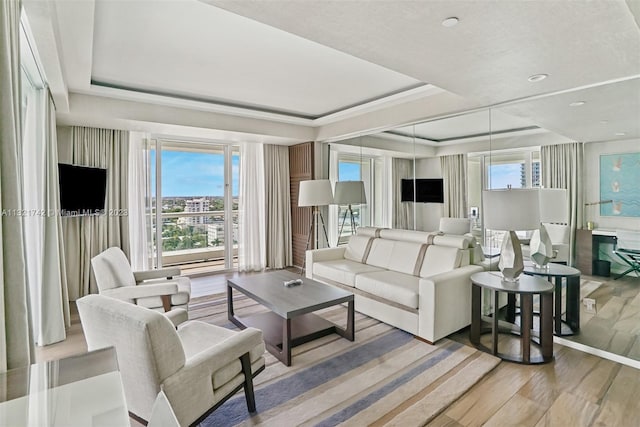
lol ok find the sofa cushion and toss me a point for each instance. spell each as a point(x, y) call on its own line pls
point(397, 287)
point(439, 259)
point(342, 270)
point(395, 255)
point(358, 248)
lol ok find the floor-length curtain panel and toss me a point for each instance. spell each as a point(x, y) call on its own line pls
point(138, 186)
point(87, 236)
point(278, 206)
point(15, 335)
point(251, 216)
point(45, 261)
point(561, 166)
point(402, 211)
point(454, 174)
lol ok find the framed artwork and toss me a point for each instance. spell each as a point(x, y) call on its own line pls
point(620, 185)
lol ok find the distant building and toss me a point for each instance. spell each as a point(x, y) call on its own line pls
point(535, 175)
point(196, 205)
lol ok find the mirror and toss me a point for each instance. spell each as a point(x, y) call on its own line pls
point(503, 147)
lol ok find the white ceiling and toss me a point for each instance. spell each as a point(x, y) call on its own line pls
point(350, 66)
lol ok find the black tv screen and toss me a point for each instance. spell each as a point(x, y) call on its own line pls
point(82, 189)
point(428, 190)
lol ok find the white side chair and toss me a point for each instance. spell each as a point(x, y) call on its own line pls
point(160, 290)
point(198, 366)
point(458, 226)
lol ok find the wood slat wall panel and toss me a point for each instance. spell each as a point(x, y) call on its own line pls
point(300, 169)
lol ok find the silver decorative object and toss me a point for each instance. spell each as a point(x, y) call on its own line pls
point(511, 263)
point(541, 247)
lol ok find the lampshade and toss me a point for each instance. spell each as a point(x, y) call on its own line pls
point(553, 205)
point(315, 192)
point(513, 209)
point(349, 193)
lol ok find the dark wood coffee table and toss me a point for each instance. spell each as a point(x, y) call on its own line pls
point(290, 321)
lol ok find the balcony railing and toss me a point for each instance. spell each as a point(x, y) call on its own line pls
point(195, 237)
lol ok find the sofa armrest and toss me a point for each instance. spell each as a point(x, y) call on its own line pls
point(319, 255)
point(168, 273)
point(445, 302)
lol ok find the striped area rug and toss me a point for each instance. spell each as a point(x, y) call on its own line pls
point(385, 377)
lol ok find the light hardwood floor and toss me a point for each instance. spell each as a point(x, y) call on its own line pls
point(577, 389)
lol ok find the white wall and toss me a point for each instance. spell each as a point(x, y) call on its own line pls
point(428, 214)
point(591, 179)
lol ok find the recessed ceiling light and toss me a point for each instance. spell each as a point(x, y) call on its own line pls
point(604, 122)
point(537, 77)
point(450, 22)
point(577, 104)
point(620, 134)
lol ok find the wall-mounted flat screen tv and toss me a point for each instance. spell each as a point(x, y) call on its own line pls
point(428, 190)
point(82, 189)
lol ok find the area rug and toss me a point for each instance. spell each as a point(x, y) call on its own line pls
point(385, 377)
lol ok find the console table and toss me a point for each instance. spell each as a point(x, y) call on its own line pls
point(572, 295)
point(526, 288)
point(588, 247)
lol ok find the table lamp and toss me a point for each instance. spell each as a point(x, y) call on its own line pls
point(553, 208)
point(511, 210)
point(349, 193)
point(315, 193)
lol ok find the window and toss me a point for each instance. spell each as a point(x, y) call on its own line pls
point(196, 220)
point(496, 170)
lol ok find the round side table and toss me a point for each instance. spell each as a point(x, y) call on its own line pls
point(572, 275)
point(526, 288)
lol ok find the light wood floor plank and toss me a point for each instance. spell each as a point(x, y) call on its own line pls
point(569, 410)
point(620, 406)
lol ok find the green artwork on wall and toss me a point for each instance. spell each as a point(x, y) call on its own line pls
point(620, 184)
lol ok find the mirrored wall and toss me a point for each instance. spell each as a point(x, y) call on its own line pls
point(502, 148)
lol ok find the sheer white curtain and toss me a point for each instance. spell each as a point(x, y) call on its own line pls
point(561, 166)
point(87, 236)
point(454, 174)
point(45, 262)
point(278, 208)
point(16, 347)
point(252, 252)
point(402, 211)
point(138, 186)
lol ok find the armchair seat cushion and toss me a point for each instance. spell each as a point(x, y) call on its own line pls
point(179, 299)
point(197, 336)
point(342, 270)
point(391, 285)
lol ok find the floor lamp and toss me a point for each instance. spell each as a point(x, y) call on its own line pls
point(315, 193)
point(511, 210)
point(349, 193)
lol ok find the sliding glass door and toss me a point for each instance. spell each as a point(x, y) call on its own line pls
point(194, 200)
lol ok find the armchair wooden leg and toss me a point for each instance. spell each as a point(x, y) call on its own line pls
point(166, 302)
point(248, 382)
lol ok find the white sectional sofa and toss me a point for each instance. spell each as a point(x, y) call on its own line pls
point(416, 281)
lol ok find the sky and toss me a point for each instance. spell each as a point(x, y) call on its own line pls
point(348, 171)
point(194, 174)
point(503, 175)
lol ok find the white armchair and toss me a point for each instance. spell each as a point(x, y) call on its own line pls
point(160, 290)
point(560, 237)
point(198, 366)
